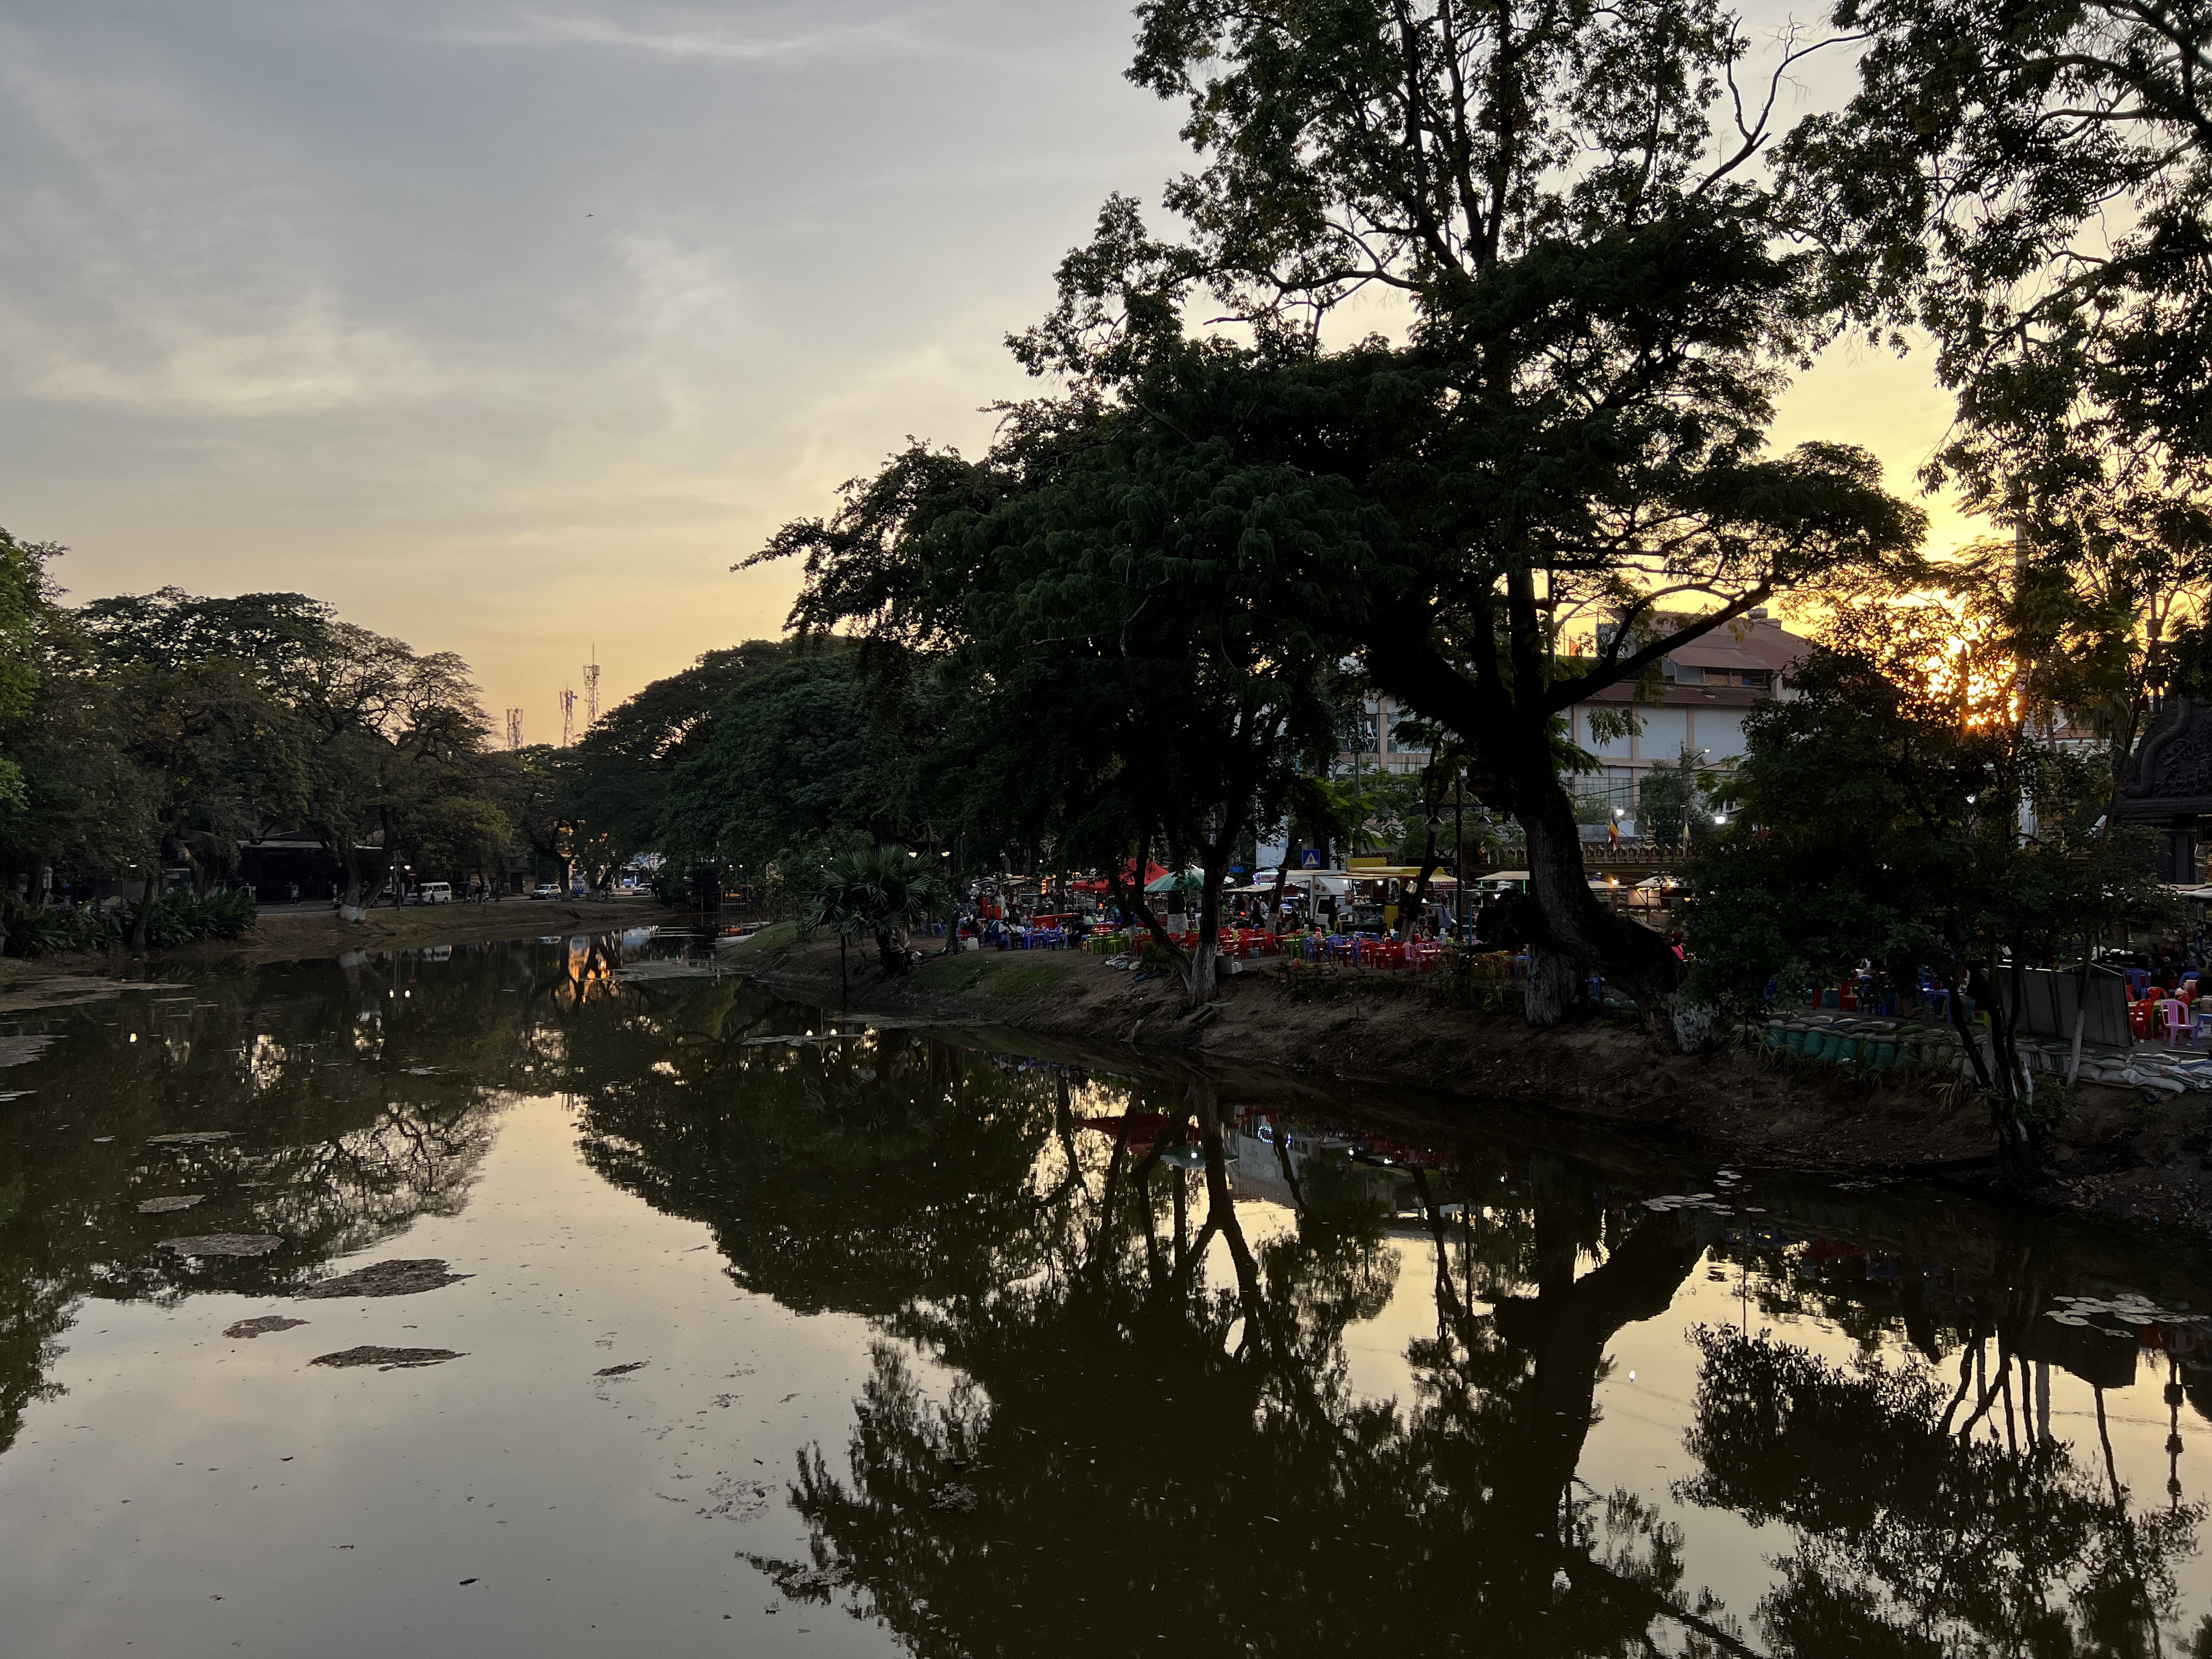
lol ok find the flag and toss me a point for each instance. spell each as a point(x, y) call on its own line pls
point(1613, 832)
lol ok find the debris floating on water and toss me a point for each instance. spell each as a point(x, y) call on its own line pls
point(2131, 1308)
point(267, 1325)
point(623, 1370)
point(385, 1360)
point(387, 1278)
point(163, 1206)
point(1683, 1201)
point(192, 1138)
point(222, 1244)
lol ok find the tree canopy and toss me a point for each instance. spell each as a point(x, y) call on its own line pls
point(143, 731)
point(1601, 306)
point(1873, 824)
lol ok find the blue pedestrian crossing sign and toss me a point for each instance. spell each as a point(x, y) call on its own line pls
point(1312, 860)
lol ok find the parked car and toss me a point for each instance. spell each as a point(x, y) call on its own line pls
point(546, 889)
point(434, 892)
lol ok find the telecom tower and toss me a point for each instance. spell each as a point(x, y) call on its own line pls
point(592, 690)
point(514, 729)
point(567, 717)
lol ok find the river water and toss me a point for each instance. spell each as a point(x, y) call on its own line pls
point(770, 1335)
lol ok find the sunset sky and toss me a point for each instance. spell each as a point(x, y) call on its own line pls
point(508, 327)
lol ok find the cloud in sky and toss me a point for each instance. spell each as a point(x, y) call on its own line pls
point(775, 33)
point(508, 325)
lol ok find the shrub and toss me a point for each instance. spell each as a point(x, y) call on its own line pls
point(38, 931)
point(179, 918)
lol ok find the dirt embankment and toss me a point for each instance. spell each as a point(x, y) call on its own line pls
point(308, 935)
point(2114, 1155)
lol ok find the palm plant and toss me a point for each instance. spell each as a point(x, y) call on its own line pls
point(887, 893)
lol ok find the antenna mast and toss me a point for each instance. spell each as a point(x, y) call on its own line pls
point(567, 717)
point(592, 690)
point(514, 729)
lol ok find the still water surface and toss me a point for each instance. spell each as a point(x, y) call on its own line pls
point(910, 1343)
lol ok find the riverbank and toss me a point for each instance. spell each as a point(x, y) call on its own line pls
point(305, 935)
point(2114, 1156)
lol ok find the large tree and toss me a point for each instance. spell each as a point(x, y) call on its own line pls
point(1599, 306)
point(796, 765)
point(191, 686)
point(2029, 187)
point(2029, 184)
point(375, 738)
point(1886, 817)
point(23, 598)
point(1129, 684)
point(615, 782)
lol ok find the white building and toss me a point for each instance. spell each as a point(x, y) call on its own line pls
point(1377, 747)
point(1709, 687)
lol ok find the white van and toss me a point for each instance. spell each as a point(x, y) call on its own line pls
point(434, 892)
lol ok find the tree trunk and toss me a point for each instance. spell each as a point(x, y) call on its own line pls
point(1959, 990)
point(1553, 982)
point(1410, 904)
point(1293, 844)
point(392, 875)
point(1141, 913)
point(1200, 977)
point(2012, 1092)
point(2080, 1010)
point(1574, 925)
point(892, 953)
point(953, 889)
point(140, 929)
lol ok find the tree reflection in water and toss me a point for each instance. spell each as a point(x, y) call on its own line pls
point(1913, 1537)
point(356, 1097)
point(1108, 1412)
point(1134, 1452)
point(1151, 1434)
